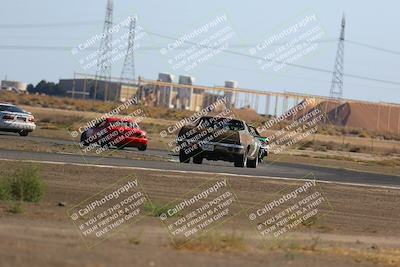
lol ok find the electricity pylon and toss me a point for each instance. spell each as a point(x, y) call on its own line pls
point(337, 79)
point(103, 71)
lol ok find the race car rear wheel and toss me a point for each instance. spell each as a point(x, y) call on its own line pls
point(103, 144)
point(23, 133)
point(83, 139)
point(142, 148)
point(183, 157)
point(252, 163)
point(241, 161)
point(197, 160)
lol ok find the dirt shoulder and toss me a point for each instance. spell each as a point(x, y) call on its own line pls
point(362, 229)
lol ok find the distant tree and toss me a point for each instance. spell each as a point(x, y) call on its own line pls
point(30, 88)
point(48, 88)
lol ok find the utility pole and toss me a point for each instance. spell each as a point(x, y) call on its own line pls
point(128, 69)
point(337, 79)
point(103, 71)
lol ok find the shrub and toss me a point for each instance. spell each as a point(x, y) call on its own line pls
point(310, 221)
point(364, 134)
point(354, 131)
point(306, 145)
point(331, 131)
point(213, 241)
point(5, 193)
point(355, 149)
point(25, 184)
point(319, 147)
point(331, 145)
point(16, 207)
point(344, 130)
point(156, 209)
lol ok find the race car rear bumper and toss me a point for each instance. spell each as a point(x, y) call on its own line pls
point(133, 141)
point(16, 126)
point(216, 151)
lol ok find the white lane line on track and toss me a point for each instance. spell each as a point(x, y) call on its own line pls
point(199, 172)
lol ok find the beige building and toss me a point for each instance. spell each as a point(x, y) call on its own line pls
point(182, 95)
point(14, 86)
point(127, 92)
point(86, 88)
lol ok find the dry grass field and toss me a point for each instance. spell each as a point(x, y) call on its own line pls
point(362, 229)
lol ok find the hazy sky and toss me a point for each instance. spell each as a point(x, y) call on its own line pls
point(372, 22)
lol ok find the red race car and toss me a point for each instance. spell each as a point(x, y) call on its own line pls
point(115, 132)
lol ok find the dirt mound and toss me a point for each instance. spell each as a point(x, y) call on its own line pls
point(309, 106)
point(376, 117)
point(248, 115)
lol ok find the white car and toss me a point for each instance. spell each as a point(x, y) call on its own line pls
point(14, 119)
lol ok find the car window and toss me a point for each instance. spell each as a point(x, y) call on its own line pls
point(234, 125)
point(98, 124)
point(204, 122)
point(253, 131)
point(127, 124)
point(11, 109)
point(134, 125)
point(221, 123)
point(102, 124)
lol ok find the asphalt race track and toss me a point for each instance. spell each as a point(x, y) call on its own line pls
point(281, 170)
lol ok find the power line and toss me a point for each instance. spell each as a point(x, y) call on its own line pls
point(147, 48)
point(257, 71)
point(36, 47)
point(49, 25)
point(66, 48)
point(97, 22)
point(374, 47)
point(281, 62)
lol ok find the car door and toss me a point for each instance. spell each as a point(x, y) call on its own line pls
point(253, 142)
point(99, 131)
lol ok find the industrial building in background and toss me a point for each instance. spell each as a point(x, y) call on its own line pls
point(15, 86)
point(84, 86)
point(184, 94)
